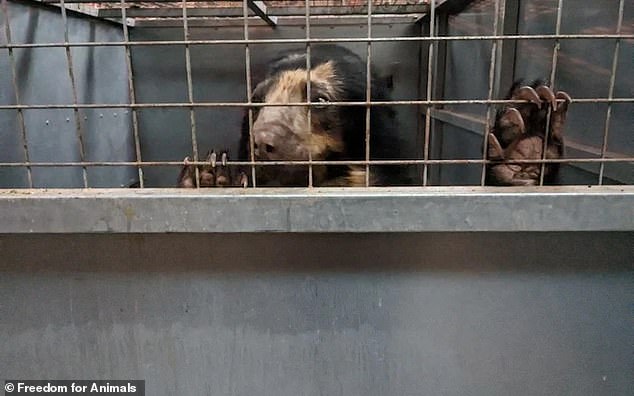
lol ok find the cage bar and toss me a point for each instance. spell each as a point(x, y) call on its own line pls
point(132, 94)
point(368, 94)
point(490, 90)
point(71, 75)
point(308, 94)
point(325, 162)
point(608, 116)
point(324, 40)
point(429, 88)
point(190, 94)
point(253, 104)
point(14, 82)
point(247, 63)
point(553, 73)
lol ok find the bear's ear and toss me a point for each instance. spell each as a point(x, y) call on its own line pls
point(324, 72)
point(325, 80)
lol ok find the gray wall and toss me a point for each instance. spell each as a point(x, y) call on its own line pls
point(340, 314)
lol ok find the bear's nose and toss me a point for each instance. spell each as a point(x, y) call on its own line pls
point(264, 144)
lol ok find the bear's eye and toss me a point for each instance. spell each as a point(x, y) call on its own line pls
point(320, 99)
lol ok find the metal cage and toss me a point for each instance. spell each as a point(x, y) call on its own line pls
point(442, 287)
point(129, 88)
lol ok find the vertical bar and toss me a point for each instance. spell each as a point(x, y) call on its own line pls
point(553, 72)
point(430, 66)
point(507, 50)
point(498, 14)
point(14, 77)
point(132, 93)
point(71, 75)
point(608, 117)
point(440, 73)
point(247, 61)
point(368, 96)
point(190, 92)
point(308, 95)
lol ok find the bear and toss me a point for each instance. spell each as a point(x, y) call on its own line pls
point(336, 133)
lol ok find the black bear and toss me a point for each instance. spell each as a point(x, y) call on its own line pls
point(519, 132)
point(336, 133)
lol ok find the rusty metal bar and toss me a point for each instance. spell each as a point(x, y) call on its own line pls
point(132, 94)
point(190, 94)
point(507, 50)
point(615, 61)
point(494, 49)
point(308, 94)
point(73, 85)
point(325, 162)
point(553, 73)
point(430, 65)
point(14, 81)
point(218, 22)
point(368, 95)
point(253, 104)
point(325, 40)
point(414, 11)
point(247, 63)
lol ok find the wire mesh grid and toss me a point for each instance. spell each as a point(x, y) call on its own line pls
point(433, 38)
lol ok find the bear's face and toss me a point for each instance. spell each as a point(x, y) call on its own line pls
point(278, 131)
point(284, 132)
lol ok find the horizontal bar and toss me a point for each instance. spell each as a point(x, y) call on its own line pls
point(226, 13)
point(315, 20)
point(320, 40)
point(406, 209)
point(322, 162)
point(117, 2)
point(274, 5)
point(303, 104)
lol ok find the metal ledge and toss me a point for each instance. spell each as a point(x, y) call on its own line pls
point(607, 208)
